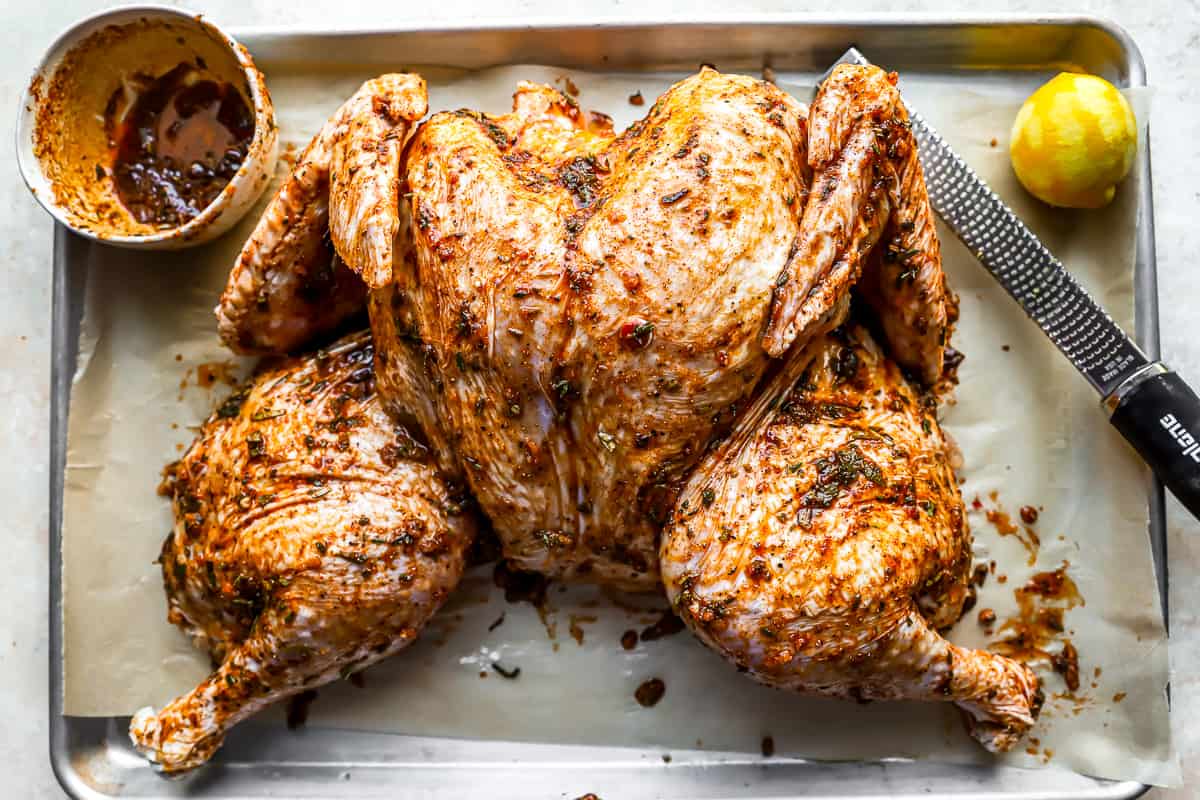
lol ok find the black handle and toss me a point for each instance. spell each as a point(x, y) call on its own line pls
point(1160, 417)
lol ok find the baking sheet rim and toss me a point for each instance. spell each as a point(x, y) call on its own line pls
point(64, 339)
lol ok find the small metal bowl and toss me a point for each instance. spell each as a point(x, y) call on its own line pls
point(62, 146)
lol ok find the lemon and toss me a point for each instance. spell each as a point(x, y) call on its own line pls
point(1073, 141)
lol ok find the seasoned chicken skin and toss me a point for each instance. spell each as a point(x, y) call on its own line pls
point(823, 546)
point(287, 285)
point(574, 316)
point(594, 333)
point(312, 538)
point(865, 174)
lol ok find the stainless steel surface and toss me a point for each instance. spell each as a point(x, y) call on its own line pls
point(1132, 381)
point(92, 757)
point(1037, 280)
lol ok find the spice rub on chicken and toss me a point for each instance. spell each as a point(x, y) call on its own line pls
point(575, 314)
point(312, 538)
point(822, 548)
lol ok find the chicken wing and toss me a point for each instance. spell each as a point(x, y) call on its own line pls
point(287, 286)
point(866, 174)
point(365, 172)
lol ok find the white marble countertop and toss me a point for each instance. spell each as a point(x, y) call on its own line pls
point(1168, 32)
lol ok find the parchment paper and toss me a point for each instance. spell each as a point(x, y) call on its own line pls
point(1028, 426)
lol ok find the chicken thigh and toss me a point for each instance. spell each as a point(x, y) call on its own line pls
point(824, 544)
point(312, 538)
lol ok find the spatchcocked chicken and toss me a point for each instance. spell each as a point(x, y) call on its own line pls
point(578, 326)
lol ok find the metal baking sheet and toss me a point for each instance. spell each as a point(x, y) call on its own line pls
point(92, 757)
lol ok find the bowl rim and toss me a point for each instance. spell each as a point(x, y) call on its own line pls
point(30, 166)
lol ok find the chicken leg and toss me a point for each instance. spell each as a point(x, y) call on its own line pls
point(312, 538)
point(822, 546)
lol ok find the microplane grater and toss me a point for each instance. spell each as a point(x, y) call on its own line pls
point(1152, 407)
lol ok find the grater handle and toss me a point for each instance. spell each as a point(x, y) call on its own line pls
point(1159, 415)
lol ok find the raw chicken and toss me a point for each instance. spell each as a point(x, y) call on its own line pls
point(578, 324)
point(823, 545)
point(312, 538)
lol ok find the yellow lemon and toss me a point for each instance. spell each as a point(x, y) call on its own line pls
point(1073, 141)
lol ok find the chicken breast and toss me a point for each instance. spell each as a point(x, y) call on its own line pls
point(579, 313)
